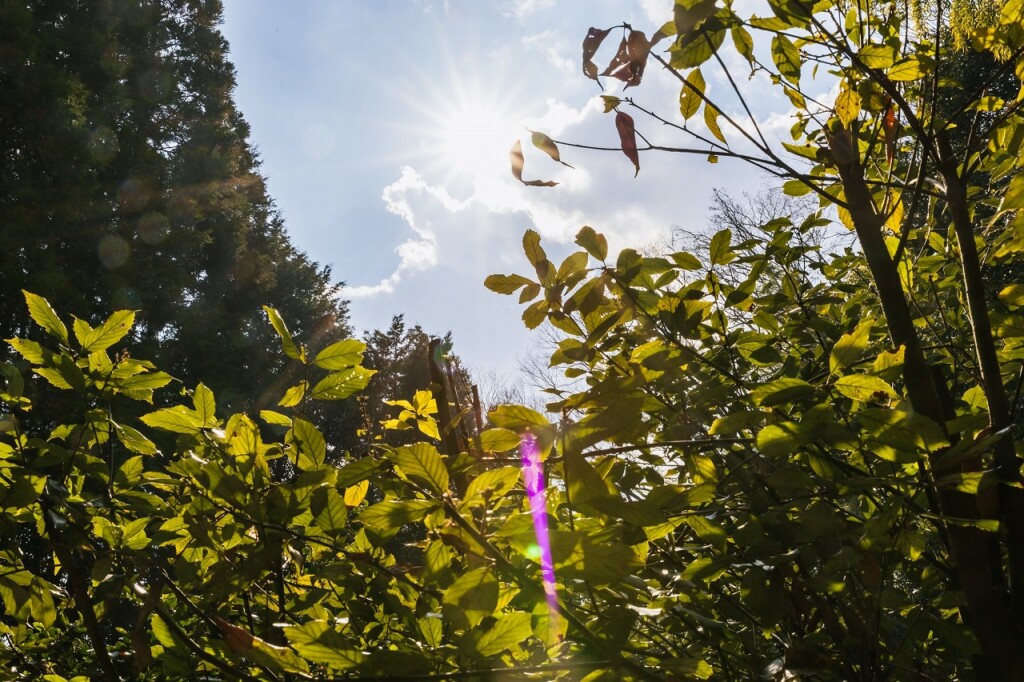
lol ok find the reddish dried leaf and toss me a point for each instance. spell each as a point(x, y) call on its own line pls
point(237, 639)
point(515, 156)
point(591, 43)
point(548, 146)
point(889, 123)
point(627, 138)
point(619, 62)
point(639, 48)
point(629, 62)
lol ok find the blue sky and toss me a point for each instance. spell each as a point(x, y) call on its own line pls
point(384, 129)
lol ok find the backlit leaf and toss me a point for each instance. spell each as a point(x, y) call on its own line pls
point(865, 387)
point(287, 343)
point(594, 242)
point(422, 464)
point(510, 630)
point(317, 641)
point(627, 138)
point(689, 96)
point(786, 58)
point(342, 384)
point(393, 514)
point(517, 161)
point(548, 146)
point(346, 353)
point(45, 316)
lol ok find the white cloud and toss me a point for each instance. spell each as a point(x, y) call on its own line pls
point(524, 8)
point(553, 48)
point(657, 11)
point(559, 116)
point(420, 252)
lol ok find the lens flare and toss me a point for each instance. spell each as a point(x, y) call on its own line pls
point(533, 477)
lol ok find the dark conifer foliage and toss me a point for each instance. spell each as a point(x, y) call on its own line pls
point(127, 180)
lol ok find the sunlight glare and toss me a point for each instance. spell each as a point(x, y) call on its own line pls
point(474, 136)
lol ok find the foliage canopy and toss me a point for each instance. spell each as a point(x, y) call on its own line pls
point(813, 477)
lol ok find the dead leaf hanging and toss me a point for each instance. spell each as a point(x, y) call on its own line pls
point(515, 156)
point(627, 138)
point(591, 43)
point(548, 146)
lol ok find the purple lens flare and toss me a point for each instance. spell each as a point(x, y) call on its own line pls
point(533, 477)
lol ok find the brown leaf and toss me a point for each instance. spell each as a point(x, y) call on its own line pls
point(619, 62)
point(629, 62)
point(515, 156)
point(639, 48)
point(627, 138)
point(237, 639)
point(548, 146)
point(595, 37)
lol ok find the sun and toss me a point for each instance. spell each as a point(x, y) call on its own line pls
point(473, 135)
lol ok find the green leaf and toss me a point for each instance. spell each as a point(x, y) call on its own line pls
point(877, 56)
point(275, 418)
point(329, 510)
point(689, 96)
point(688, 668)
point(907, 69)
point(905, 433)
point(356, 471)
point(1012, 295)
point(32, 351)
point(45, 316)
point(490, 486)
point(206, 406)
point(134, 441)
point(506, 284)
point(694, 49)
point(1014, 195)
point(779, 391)
point(850, 347)
point(573, 266)
point(318, 642)
point(393, 514)
point(287, 343)
point(499, 440)
point(786, 58)
point(509, 631)
point(342, 384)
point(864, 387)
point(178, 419)
point(421, 463)
point(517, 417)
point(311, 444)
point(432, 629)
point(744, 42)
point(783, 439)
point(347, 353)
point(720, 248)
point(294, 395)
point(795, 188)
point(531, 246)
point(107, 334)
point(847, 105)
point(686, 261)
point(711, 121)
point(594, 243)
point(473, 595)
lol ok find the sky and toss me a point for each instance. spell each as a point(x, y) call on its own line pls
point(384, 129)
